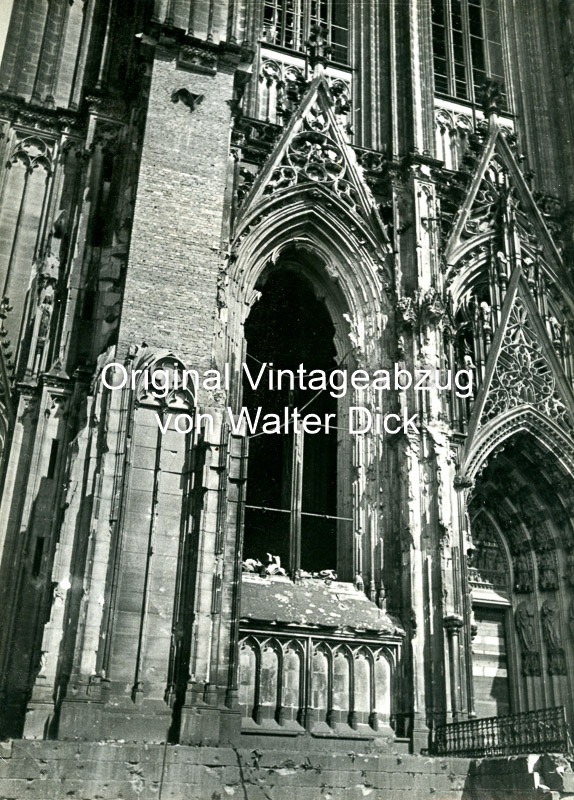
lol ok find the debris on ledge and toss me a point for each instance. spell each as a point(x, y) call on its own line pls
point(313, 603)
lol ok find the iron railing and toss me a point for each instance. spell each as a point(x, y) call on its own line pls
point(542, 731)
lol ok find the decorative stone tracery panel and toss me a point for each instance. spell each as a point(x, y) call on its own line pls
point(523, 374)
point(314, 157)
point(283, 79)
point(487, 565)
point(331, 684)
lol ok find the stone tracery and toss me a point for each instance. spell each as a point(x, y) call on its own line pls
point(523, 374)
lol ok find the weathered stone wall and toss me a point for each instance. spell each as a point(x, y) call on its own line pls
point(345, 771)
point(45, 770)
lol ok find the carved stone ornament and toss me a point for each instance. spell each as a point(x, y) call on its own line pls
point(531, 663)
point(524, 619)
point(482, 215)
point(106, 106)
point(425, 307)
point(523, 579)
point(318, 46)
point(547, 571)
point(188, 98)
point(406, 310)
point(431, 305)
point(491, 96)
point(34, 152)
point(453, 623)
point(522, 374)
point(197, 59)
point(486, 562)
point(551, 631)
point(314, 157)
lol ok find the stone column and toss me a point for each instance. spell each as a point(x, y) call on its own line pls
point(453, 624)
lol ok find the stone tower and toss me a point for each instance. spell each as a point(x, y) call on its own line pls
point(352, 186)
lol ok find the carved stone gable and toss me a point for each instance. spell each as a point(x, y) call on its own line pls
point(313, 155)
point(523, 369)
point(498, 191)
point(522, 374)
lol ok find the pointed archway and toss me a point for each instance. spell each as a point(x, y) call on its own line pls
point(521, 581)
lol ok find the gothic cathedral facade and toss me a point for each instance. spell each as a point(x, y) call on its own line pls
point(203, 184)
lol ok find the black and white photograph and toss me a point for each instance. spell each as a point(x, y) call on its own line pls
point(286, 399)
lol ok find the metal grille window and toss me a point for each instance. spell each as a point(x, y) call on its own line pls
point(288, 23)
point(467, 46)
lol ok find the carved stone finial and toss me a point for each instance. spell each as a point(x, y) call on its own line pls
point(318, 49)
point(491, 96)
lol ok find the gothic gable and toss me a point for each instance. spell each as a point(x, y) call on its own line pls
point(314, 157)
point(522, 368)
point(498, 193)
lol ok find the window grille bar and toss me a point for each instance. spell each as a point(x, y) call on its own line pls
point(303, 513)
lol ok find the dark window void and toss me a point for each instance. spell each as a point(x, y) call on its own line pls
point(53, 458)
point(287, 327)
point(89, 306)
point(37, 561)
point(467, 47)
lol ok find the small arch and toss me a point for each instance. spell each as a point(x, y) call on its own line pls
point(352, 259)
point(488, 562)
point(341, 697)
point(293, 679)
point(270, 677)
point(363, 687)
point(320, 681)
point(249, 660)
point(497, 431)
point(383, 674)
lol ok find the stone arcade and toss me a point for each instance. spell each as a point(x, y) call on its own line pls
point(189, 184)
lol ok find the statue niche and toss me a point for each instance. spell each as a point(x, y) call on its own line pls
point(524, 618)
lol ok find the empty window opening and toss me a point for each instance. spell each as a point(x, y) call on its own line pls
point(53, 459)
point(37, 561)
point(292, 478)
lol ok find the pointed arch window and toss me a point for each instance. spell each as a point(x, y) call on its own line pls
point(288, 23)
point(467, 46)
point(298, 499)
